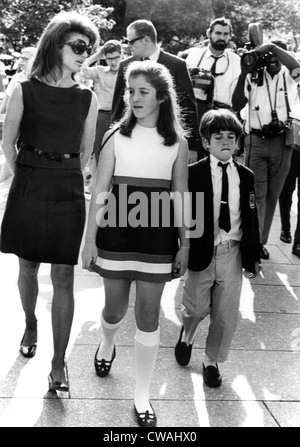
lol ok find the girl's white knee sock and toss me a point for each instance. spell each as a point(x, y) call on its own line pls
point(146, 349)
point(108, 339)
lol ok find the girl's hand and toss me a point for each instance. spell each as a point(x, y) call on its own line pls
point(181, 261)
point(89, 256)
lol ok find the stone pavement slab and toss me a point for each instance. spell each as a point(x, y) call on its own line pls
point(285, 413)
point(110, 413)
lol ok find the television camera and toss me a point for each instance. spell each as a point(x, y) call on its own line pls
point(253, 62)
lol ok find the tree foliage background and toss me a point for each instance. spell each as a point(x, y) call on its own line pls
point(23, 21)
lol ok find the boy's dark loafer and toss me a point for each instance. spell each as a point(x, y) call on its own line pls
point(183, 351)
point(285, 237)
point(264, 254)
point(296, 250)
point(212, 376)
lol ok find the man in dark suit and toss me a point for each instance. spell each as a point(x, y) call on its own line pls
point(229, 243)
point(142, 41)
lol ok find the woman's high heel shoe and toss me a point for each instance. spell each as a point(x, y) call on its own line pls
point(27, 351)
point(56, 385)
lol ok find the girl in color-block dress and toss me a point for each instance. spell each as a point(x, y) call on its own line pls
point(136, 228)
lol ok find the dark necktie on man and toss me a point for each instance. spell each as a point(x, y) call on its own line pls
point(213, 67)
point(224, 219)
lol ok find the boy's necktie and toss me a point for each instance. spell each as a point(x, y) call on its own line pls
point(224, 219)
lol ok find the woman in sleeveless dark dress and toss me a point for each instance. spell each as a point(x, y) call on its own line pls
point(54, 120)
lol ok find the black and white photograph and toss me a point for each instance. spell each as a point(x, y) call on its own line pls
point(149, 229)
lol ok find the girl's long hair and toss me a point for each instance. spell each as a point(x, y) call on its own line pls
point(48, 60)
point(170, 123)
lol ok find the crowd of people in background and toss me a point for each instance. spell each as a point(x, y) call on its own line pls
point(188, 116)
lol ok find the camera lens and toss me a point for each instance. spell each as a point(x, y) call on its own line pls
point(249, 59)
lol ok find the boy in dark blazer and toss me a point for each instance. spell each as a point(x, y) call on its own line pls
point(229, 243)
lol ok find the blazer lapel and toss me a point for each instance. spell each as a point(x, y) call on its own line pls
point(207, 175)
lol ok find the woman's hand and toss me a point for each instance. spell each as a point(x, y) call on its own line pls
point(180, 263)
point(89, 256)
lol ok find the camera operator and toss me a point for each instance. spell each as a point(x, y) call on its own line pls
point(269, 73)
point(214, 69)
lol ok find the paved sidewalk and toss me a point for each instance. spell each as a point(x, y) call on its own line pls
point(261, 384)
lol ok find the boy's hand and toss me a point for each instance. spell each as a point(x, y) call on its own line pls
point(181, 261)
point(257, 270)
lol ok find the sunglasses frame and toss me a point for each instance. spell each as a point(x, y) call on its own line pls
point(132, 41)
point(75, 43)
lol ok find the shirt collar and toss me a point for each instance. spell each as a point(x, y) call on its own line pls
point(154, 56)
point(214, 161)
point(210, 53)
point(281, 71)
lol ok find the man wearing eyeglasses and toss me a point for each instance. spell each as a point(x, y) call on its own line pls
point(142, 42)
point(222, 65)
point(104, 78)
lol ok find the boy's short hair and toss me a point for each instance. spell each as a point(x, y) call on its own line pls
point(111, 46)
point(216, 120)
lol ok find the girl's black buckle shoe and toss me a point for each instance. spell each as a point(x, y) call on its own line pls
point(103, 366)
point(146, 419)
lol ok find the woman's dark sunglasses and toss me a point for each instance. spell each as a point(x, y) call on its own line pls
point(79, 47)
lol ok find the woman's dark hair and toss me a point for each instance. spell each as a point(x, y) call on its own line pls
point(48, 59)
point(169, 123)
point(214, 121)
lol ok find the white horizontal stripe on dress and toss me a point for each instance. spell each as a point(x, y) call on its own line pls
point(138, 266)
